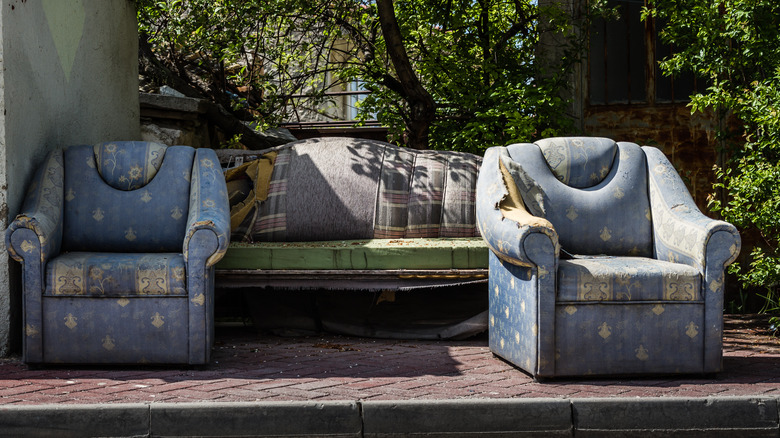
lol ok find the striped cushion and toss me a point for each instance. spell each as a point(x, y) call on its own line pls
point(344, 188)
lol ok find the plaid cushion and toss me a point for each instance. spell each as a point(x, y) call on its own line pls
point(271, 221)
point(341, 188)
point(427, 194)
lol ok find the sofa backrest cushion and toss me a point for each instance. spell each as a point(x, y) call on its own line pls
point(149, 218)
point(128, 165)
point(579, 162)
point(427, 194)
point(611, 217)
point(346, 188)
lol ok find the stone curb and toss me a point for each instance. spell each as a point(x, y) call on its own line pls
point(269, 419)
point(604, 417)
point(463, 417)
point(706, 417)
point(74, 420)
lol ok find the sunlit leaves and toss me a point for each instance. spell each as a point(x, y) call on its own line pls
point(735, 44)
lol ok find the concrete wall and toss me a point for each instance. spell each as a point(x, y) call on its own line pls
point(68, 74)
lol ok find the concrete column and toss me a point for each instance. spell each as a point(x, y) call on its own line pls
point(68, 74)
point(551, 48)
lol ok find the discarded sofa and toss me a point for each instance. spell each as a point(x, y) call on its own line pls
point(345, 213)
point(118, 243)
point(600, 262)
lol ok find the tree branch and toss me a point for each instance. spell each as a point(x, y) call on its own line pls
point(421, 103)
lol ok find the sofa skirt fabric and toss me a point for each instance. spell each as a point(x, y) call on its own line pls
point(637, 338)
point(116, 330)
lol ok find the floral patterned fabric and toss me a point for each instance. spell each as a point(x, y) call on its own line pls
point(113, 274)
point(641, 338)
point(626, 279)
point(41, 212)
point(149, 330)
point(126, 167)
point(152, 218)
point(578, 215)
point(118, 254)
point(579, 162)
point(647, 296)
point(209, 210)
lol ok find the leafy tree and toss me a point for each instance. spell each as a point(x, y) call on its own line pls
point(258, 61)
point(736, 45)
point(471, 76)
point(445, 74)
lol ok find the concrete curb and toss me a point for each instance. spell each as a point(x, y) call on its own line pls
point(74, 420)
point(331, 419)
point(497, 418)
point(705, 417)
point(605, 417)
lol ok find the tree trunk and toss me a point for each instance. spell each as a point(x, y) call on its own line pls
point(421, 103)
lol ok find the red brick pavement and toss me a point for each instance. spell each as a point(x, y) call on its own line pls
point(249, 367)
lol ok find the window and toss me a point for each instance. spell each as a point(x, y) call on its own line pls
point(352, 104)
point(623, 61)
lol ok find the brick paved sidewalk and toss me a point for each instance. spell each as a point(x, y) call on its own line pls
point(247, 367)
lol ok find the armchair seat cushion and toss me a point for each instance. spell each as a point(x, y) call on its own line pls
point(116, 275)
point(605, 278)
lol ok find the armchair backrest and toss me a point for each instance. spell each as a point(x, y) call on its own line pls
point(594, 191)
point(126, 197)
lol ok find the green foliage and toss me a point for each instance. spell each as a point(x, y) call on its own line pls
point(736, 45)
point(262, 60)
point(480, 62)
point(274, 61)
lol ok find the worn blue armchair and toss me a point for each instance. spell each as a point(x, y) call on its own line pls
point(117, 243)
point(601, 263)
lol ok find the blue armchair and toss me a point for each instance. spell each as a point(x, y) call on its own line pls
point(601, 263)
point(118, 243)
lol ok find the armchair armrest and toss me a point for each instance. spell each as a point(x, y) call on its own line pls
point(510, 231)
point(41, 213)
point(209, 209)
point(681, 233)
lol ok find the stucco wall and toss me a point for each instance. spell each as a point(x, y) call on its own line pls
point(69, 74)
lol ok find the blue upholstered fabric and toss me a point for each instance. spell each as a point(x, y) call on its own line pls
point(121, 274)
point(151, 218)
point(207, 207)
point(115, 330)
point(680, 231)
point(578, 214)
point(506, 238)
point(128, 165)
point(640, 338)
point(514, 308)
point(116, 274)
point(41, 212)
point(626, 279)
point(682, 234)
point(578, 162)
point(650, 301)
